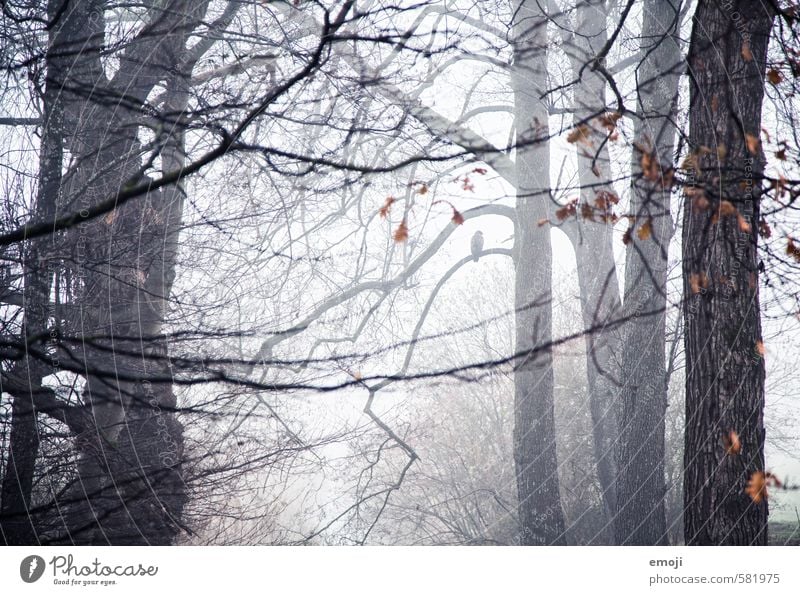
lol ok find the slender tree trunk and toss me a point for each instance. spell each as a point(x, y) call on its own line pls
point(725, 370)
point(592, 238)
point(540, 512)
point(641, 488)
point(17, 525)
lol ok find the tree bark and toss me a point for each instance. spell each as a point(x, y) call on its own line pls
point(592, 238)
point(129, 488)
point(24, 380)
point(640, 452)
point(540, 513)
point(725, 369)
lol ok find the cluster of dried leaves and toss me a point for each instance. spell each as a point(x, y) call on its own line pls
point(400, 234)
point(759, 481)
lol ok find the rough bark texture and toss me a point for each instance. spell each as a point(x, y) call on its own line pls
point(592, 238)
point(115, 280)
point(725, 371)
point(640, 452)
point(130, 467)
point(23, 382)
point(540, 512)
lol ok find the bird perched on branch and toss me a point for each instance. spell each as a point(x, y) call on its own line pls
point(477, 245)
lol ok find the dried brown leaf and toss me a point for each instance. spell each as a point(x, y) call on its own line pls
point(746, 53)
point(645, 231)
point(401, 233)
point(732, 443)
point(753, 142)
point(774, 76)
point(387, 206)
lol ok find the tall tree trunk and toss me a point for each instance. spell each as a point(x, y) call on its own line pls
point(540, 512)
point(130, 489)
point(24, 380)
point(641, 488)
point(725, 371)
point(592, 238)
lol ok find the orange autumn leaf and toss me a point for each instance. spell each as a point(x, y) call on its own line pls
point(649, 167)
point(746, 53)
point(694, 282)
point(744, 226)
point(752, 143)
point(757, 487)
point(387, 206)
point(401, 233)
point(423, 189)
point(760, 349)
point(579, 134)
point(698, 282)
point(458, 218)
point(645, 231)
point(774, 76)
point(732, 443)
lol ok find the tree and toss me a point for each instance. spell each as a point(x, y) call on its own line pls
point(643, 361)
point(540, 513)
point(724, 363)
point(231, 229)
point(132, 106)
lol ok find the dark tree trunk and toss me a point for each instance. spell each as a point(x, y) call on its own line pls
point(540, 512)
point(129, 488)
point(17, 527)
point(24, 380)
point(725, 371)
point(640, 451)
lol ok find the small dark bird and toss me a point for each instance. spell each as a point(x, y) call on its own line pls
point(477, 245)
